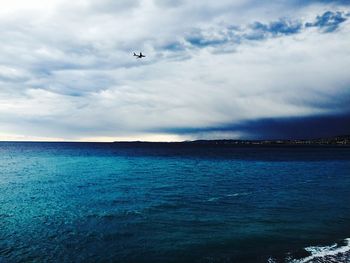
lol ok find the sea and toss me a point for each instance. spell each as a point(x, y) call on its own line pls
point(173, 202)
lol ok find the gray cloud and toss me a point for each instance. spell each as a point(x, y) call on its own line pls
point(110, 6)
point(169, 3)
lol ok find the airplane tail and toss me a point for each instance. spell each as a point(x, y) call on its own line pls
point(135, 54)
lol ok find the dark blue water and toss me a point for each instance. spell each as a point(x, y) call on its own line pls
point(87, 202)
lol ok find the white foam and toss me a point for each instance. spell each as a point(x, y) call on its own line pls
point(271, 260)
point(213, 199)
point(320, 252)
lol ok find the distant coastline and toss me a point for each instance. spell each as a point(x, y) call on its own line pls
point(343, 140)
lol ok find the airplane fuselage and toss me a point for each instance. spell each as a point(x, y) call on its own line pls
point(139, 56)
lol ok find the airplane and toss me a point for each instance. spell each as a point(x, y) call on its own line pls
point(139, 56)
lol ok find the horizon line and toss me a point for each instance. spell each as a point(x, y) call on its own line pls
point(182, 141)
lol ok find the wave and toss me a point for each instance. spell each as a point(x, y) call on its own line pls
point(116, 215)
point(212, 199)
point(238, 194)
point(333, 253)
point(336, 253)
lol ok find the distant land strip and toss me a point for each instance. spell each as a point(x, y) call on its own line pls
point(343, 140)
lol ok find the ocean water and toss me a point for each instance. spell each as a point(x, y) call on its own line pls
point(95, 202)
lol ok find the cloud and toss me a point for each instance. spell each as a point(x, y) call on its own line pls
point(169, 3)
point(234, 34)
point(329, 21)
point(110, 6)
point(67, 71)
point(298, 127)
point(276, 28)
point(303, 127)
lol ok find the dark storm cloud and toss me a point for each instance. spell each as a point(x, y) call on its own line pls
point(297, 127)
point(280, 128)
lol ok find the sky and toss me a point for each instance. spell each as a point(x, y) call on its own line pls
point(238, 69)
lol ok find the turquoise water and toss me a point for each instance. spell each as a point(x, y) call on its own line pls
point(90, 202)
